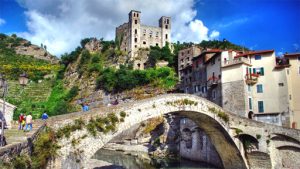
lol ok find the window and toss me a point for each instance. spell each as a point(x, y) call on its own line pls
point(298, 58)
point(214, 94)
point(135, 39)
point(156, 44)
point(195, 89)
point(259, 71)
point(249, 88)
point(144, 42)
point(250, 104)
point(281, 84)
point(213, 61)
point(137, 15)
point(156, 34)
point(167, 21)
point(166, 26)
point(290, 97)
point(150, 34)
point(260, 106)
point(257, 57)
point(135, 31)
point(135, 21)
point(134, 14)
point(166, 36)
point(259, 88)
point(188, 59)
point(287, 71)
point(139, 65)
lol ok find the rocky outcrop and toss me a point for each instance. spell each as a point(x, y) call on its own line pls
point(93, 45)
point(26, 48)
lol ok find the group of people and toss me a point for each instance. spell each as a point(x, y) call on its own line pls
point(25, 121)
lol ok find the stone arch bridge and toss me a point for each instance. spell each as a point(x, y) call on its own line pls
point(273, 146)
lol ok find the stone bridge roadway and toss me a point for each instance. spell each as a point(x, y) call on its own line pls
point(270, 146)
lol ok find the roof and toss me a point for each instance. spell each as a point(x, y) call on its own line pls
point(292, 55)
point(254, 53)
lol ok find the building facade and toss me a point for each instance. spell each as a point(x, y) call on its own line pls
point(293, 77)
point(249, 84)
point(185, 61)
point(133, 36)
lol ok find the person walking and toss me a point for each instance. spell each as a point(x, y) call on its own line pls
point(21, 119)
point(28, 122)
point(45, 116)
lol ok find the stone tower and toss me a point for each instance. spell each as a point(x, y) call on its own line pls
point(165, 25)
point(134, 31)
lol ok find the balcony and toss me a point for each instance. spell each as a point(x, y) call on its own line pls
point(251, 79)
point(213, 81)
point(235, 61)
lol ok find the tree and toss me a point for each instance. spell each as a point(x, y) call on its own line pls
point(45, 47)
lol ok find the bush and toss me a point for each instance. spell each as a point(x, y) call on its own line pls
point(72, 93)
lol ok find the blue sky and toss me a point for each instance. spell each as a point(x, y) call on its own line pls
point(257, 24)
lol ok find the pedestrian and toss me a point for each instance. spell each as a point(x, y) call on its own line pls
point(45, 116)
point(21, 119)
point(28, 122)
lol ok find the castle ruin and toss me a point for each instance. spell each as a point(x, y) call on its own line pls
point(133, 36)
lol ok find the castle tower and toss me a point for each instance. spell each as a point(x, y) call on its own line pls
point(165, 25)
point(134, 31)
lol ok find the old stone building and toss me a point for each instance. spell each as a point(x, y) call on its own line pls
point(133, 36)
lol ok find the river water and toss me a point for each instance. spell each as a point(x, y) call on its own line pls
point(132, 162)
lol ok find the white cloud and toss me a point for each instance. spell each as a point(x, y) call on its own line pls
point(296, 47)
point(234, 22)
point(61, 24)
point(2, 21)
point(214, 34)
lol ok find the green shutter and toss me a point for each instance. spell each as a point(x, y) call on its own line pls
point(254, 70)
point(250, 71)
point(262, 71)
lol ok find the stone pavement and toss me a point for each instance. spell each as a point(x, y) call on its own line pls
point(14, 135)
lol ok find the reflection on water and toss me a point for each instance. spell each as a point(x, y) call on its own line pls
point(131, 162)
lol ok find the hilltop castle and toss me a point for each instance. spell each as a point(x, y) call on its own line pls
point(132, 36)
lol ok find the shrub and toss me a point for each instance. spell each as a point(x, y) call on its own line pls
point(238, 131)
point(123, 114)
point(152, 123)
point(258, 136)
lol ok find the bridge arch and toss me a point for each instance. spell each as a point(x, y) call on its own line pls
point(201, 111)
point(212, 119)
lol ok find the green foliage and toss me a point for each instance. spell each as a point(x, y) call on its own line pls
point(152, 123)
point(258, 136)
point(123, 114)
point(221, 45)
point(72, 93)
point(220, 114)
point(113, 80)
point(21, 162)
point(164, 53)
point(45, 148)
point(12, 64)
point(238, 131)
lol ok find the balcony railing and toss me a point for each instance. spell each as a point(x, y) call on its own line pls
point(235, 61)
point(252, 78)
point(213, 81)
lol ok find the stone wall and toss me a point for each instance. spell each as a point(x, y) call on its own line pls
point(8, 152)
point(8, 114)
point(196, 145)
point(234, 98)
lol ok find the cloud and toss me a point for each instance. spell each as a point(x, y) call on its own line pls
point(234, 22)
point(2, 21)
point(214, 34)
point(296, 47)
point(61, 24)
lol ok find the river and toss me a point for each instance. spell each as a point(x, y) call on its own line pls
point(132, 162)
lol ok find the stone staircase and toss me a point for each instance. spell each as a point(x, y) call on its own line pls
point(14, 135)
